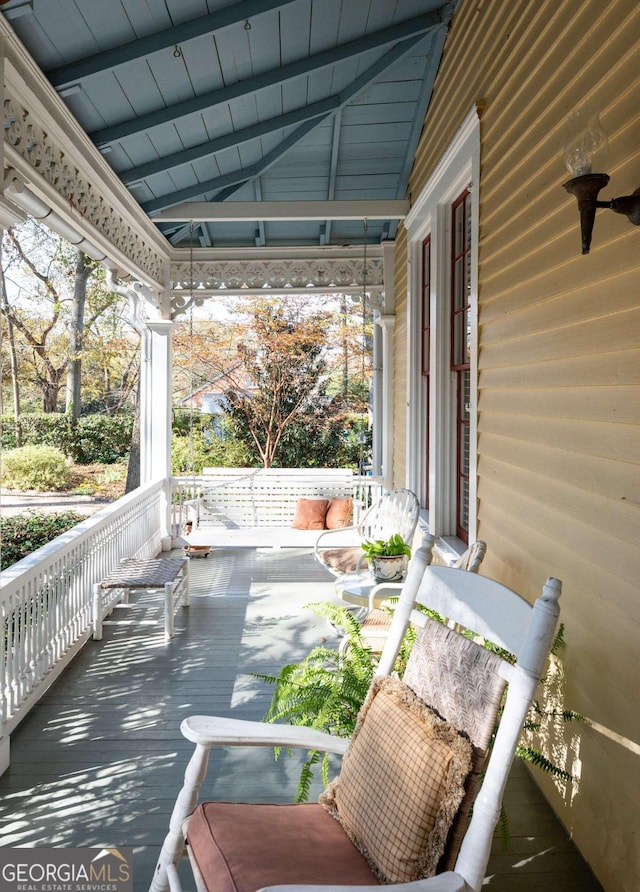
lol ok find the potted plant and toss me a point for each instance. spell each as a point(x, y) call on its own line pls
point(387, 557)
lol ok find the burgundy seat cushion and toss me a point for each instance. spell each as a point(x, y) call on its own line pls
point(240, 847)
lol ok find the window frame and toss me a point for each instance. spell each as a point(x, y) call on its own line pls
point(425, 359)
point(431, 217)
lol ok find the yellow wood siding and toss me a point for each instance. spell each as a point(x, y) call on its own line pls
point(558, 485)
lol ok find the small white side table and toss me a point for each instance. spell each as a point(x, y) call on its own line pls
point(362, 589)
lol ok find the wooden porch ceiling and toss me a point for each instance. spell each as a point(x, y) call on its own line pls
point(254, 101)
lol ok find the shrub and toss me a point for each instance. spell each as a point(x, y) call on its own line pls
point(37, 428)
point(23, 534)
point(35, 467)
point(209, 450)
point(102, 438)
point(92, 438)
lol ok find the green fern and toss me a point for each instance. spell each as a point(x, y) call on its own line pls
point(326, 690)
point(534, 757)
point(502, 828)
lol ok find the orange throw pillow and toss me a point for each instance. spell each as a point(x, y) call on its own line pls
point(339, 514)
point(310, 514)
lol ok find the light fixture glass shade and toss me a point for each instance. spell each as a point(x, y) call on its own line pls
point(586, 147)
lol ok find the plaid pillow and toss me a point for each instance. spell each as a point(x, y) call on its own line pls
point(401, 783)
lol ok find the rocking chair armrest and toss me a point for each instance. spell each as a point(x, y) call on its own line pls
point(208, 731)
point(444, 882)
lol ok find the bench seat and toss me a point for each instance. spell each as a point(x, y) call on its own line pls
point(262, 537)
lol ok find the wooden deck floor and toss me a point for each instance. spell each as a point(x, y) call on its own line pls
point(100, 759)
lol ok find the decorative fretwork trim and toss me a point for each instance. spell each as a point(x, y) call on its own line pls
point(51, 163)
point(276, 276)
point(50, 152)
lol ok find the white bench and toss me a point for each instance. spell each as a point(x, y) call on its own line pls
point(170, 577)
point(255, 507)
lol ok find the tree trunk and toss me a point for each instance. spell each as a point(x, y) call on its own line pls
point(133, 467)
point(345, 347)
point(76, 337)
point(13, 365)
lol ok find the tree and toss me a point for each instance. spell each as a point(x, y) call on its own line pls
point(13, 364)
point(76, 336)
point(65, 323)
point(283, 364)
point(39, 333)
point(202, 351)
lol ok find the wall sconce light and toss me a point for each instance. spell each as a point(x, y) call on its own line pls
point(586, 149)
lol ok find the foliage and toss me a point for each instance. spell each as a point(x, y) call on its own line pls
point(204, 351)
point(23, 534)
point(322, 437)
point(256, 359)
point(40, 274)
point(317, 439)
point(35, 467)
point(189, 455)
point(326, 689)
point(281, 375)
point(107, 481)
point(92, 438)
point(394, 546)
point(101, 438)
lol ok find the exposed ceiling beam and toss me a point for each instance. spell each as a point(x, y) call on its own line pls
point(205, 241)
point(325, 231)
point(424, 98)
point(417, 26)
point(238, 178)
point(232, 211)
point(153, 43)
point(231, 181)
point(230, 140)
point(260, 231)
point(297, 116)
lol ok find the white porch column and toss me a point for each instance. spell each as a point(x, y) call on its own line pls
point(387, 326)
point(376, 400)
point(155, 401)
point(383, 421)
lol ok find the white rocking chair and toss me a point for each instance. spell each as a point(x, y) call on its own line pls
point(409, 773)
point(395, 512)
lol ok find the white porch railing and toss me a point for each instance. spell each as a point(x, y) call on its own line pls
point(45, 599)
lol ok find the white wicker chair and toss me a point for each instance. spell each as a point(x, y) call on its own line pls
point(395, 512)
point(245, 846)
